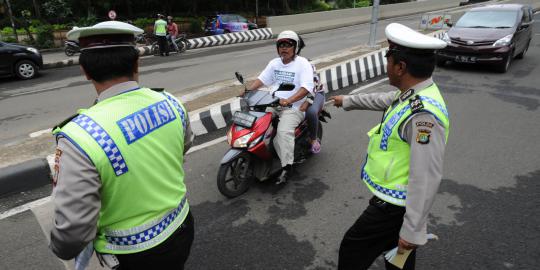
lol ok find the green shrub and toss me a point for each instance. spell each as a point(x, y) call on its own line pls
point(6, 31)
point(362, 3)
point(45, 37)
point(320, 6)
point(57, 27)
point(9, 39)
point(195, 26)
point(86, 21)
point(143, 22)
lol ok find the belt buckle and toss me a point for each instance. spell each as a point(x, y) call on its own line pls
point(379, 202)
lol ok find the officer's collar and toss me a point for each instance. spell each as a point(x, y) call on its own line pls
point(415, 89)
point(117, 89)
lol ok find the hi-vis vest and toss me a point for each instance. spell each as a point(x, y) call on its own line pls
point(136, 142)
point(386, 170)
point(161, 27)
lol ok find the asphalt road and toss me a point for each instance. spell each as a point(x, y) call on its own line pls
point(29, 106)
point(486, 212)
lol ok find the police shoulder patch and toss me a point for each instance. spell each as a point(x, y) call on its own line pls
point(405, 95)
point(57, 155)
point(416, 104)
point(423, 136)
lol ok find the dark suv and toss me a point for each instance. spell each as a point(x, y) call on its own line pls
point(493, 34)
point(19, 60)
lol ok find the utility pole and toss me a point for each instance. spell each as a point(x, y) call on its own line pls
point(373, 27)
point(256, 11)
point(10, 14)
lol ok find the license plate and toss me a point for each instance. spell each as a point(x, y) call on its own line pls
point(465, 59)
point(244, 119)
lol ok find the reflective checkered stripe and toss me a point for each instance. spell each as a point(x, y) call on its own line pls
point(105, 141)
point(396, 197)
point(389, 126)
point(179, 109)
point(147, 235)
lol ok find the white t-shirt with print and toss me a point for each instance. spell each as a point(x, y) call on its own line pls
point(299, 72)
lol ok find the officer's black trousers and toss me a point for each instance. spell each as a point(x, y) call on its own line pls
point(375, 231)
point(163, 45)
point(171, 254)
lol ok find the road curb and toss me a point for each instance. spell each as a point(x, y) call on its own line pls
point(194, 43)
point(24, 176)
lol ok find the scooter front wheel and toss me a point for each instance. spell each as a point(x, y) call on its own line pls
point(69, 51)
point(234, 177)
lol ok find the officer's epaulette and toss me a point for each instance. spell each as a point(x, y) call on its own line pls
point(416, 104)
point(158, 89)
point(65, 122)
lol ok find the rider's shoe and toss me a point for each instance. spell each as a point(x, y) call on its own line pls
point(316, 147)
point(284, 176)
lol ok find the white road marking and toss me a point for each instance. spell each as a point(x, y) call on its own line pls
point(39, 133)
point(206, 144)
point(22, 208)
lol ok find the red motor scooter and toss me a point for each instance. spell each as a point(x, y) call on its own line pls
point(252, 155)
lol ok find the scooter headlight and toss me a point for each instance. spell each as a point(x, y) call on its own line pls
point(229, 136)
point(446, 38)
point(256, 141)
point(242, 141)
point(503, 41)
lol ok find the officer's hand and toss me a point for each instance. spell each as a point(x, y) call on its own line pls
point(404, 245)
point(338, 100)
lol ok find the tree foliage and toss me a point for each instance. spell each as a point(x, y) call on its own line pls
point(62, 11)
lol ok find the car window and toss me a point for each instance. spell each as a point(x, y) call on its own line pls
point(526, 15)
point(488, 19)
point(241, 19)
point(226, 18)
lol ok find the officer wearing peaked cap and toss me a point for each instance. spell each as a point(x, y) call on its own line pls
point(118, 176)
point(404, 163)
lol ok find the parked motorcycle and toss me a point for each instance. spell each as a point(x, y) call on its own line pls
point(252, 155)
point(143, 39)
point(71, 47)
point(181, 42)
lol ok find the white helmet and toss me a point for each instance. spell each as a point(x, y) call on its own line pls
point(291, 35)
point(288, 34)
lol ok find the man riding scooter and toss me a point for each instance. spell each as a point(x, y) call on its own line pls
point(291, 68)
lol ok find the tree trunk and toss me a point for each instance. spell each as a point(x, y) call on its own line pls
point(10, 14)
point(286, 8)
point(37, 9)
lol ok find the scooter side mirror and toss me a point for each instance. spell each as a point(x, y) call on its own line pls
point(239, 77)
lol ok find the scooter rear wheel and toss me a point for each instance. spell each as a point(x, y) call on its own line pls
point(234, 177)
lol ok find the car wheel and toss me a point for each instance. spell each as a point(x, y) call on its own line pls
point(505, 64)
point(226, 32)
point(522, 54)
point(26, 69)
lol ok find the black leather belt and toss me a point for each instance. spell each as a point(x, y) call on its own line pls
point(378, 202)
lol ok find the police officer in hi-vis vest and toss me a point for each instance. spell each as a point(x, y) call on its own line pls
point(404, 162)
point(118, 175)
